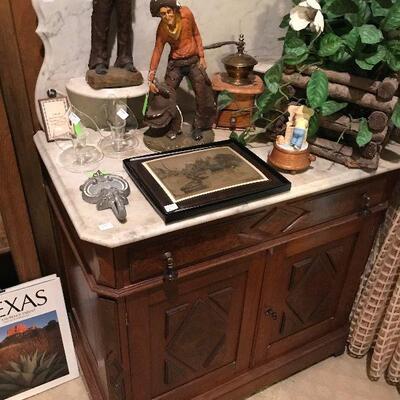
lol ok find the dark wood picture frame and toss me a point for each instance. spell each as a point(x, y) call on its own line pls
point(202, 203)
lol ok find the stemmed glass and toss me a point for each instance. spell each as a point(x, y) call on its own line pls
point(81, 156)
point(121, 141)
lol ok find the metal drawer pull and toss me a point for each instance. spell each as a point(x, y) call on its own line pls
point(170, 273)
point(366, 205)
point(270, 312)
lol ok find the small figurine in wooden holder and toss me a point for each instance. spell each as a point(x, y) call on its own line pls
point(290, 152)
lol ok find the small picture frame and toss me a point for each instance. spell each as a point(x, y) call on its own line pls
point(187, 182)
point(55, 119)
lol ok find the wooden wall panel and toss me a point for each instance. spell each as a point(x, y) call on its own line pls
point(13, 207)
point(18, 110)
point(30, 46)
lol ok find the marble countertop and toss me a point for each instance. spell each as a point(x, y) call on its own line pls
point(143, 222)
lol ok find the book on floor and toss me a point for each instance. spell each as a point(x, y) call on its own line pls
point(36, 348)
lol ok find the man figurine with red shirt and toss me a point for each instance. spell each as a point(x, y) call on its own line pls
point(178, 28)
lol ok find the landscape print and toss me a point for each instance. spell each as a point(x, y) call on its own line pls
point(31, 354)
point(197, 173)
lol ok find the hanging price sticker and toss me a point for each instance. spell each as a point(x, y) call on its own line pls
point(122, 114)
point(74, 118)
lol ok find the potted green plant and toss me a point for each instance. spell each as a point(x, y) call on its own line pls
point(332, 46)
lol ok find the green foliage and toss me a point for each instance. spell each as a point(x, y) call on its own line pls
point(396, 115)
point(329, 45)
point(392, 20)
point(224, 99)
point(31, 371)
point(317, 89)
point(331, 107)
point(273, 77)
point(241, 138)
point(313, 127)
point(364, 135)
point(370, 34)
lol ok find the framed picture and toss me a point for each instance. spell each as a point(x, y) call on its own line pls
point(187, 182)
point(55, 119)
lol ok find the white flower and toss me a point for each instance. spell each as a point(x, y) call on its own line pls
point(308, 12)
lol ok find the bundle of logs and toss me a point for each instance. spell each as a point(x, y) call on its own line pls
point(376, 99)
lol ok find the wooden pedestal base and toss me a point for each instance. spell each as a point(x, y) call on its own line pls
point(292, 161)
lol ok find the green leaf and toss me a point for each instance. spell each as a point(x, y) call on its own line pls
point(313, 127)
point(341, 7)
point(362, 16)
point(393, 61)
point(329, 44)
point(295, 60)
point(317, 89)
point(341, 57)
point(392, 21)
point(396, 115)
point(267, 101)
point(224, 99)
point(273, 77)
point(294, 47)
point(331, 107)
point(378, 10)
point(364, 135)
point(368, 61)
point(370, 34)
point(285, 21)
point(352, 39)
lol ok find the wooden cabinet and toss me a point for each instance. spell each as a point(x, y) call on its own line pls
point(238, 303)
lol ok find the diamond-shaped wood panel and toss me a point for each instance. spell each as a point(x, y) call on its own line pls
point(309, 293)
point(200, 337)
point(280, 220)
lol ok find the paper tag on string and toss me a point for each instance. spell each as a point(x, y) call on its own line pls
point(74, 118)
point(122, 114)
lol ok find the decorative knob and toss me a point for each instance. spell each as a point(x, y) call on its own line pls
point(170, 273)
point(366, 204)
point(271, 313)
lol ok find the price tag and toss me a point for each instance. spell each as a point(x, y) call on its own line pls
point(122, 114)
point(106, 226)
point(171, 207)
point(74, 118)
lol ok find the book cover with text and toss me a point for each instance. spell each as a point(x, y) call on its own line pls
point(36, 348)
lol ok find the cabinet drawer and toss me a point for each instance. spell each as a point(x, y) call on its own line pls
point(203, 243)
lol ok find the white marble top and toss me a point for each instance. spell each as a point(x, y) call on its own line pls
point(80, 86)
point(143, 222)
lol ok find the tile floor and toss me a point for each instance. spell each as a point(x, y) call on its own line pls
point(341, 378)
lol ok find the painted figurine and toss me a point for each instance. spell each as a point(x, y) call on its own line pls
point(101, 19)
point(297, 127)
point(178, 28)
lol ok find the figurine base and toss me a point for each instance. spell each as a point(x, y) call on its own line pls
point(114, 78)
point(290, 160)
point(155, 142)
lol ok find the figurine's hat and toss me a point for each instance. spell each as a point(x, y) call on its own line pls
point(155, 6)
point(162, 107)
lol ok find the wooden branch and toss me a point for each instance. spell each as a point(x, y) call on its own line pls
point(335, 147)
point(344, 78)
point(349, 162)
point(339, 123)
point(378, 121)
point(370, 150)
point(345, 93)
point(388, 88)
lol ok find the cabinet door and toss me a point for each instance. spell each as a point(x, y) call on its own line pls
point(309, 286)
point(200, 331)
